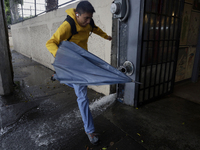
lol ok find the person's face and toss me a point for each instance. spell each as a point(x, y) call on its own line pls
point(84, 19)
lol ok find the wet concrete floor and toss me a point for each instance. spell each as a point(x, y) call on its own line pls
point(43, 115)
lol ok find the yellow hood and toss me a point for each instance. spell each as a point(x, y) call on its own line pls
point(71, 13)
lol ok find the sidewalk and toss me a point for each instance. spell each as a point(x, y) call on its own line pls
point(43, 115)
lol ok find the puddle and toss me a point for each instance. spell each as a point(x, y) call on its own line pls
point(44, 126)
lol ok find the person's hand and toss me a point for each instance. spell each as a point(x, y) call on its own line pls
point(109, 38)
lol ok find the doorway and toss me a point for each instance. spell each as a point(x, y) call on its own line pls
point(155, 50)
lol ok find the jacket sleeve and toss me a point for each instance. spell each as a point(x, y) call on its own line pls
point(99, 32)
point(62, 33)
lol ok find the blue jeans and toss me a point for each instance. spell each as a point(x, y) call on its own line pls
point(83, 104)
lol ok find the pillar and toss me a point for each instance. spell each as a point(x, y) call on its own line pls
point(6, 80)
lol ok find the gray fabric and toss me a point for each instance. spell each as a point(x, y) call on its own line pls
point(75, 65)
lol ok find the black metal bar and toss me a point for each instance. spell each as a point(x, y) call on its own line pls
point(174, 30)
point(35, 8)
point(195, 72)
point(54, 8)
point(22, 11)
point(166, 15)
point(153, 52)
point(158, 40)
point(153, 86)
point(41, 12)
point(34, 2)
point(146, 56)
point(177, 42)
point(163, 49)
point(158, 43)
point(169, 29)
point(164, 62)
point(140, 46)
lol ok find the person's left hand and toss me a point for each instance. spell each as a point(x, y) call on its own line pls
point(109, 38)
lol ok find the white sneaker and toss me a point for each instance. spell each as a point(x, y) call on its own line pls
point(94, 139)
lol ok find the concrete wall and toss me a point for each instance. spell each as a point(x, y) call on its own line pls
point(30, 36)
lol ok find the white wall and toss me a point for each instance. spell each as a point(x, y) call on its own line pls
point(30, 36)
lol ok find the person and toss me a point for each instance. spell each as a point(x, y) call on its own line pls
point(82, 17)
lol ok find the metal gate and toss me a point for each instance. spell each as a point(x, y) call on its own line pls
point(160, 45)
point(157, 49)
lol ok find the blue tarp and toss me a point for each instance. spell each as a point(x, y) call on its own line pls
point(75, 65)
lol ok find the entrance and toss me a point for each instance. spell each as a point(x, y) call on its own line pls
point(150, 40)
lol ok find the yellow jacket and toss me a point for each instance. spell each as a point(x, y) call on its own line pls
point(64, 32)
